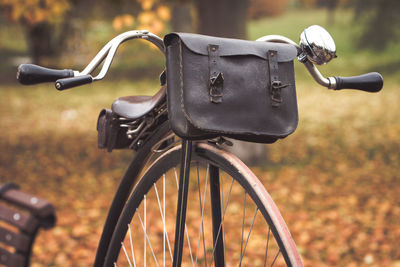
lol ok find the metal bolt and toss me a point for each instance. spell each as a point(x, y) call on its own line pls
point(17, 217)
point(139, 143)
point(8, 237)
point(34, 200)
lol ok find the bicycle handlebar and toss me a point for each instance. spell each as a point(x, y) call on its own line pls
point(65, 79)
point(63, 84)
point(33, 74)
point(370, 82)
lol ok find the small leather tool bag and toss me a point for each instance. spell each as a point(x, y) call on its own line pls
point(228, 87)
point(109, 133)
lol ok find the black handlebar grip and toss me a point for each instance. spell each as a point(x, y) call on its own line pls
point(67, 83)
point(32, 74)
point(370, 82)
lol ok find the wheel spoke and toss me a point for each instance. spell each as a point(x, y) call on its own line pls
point(244, 215)
point(222, 200)
point(126, 254)
point(148, 241)
point(130, 240)
point(248, 237)
point(190, 248)
point(266, 250)
point(276, 257)
point(163, 218)
point(176, 179)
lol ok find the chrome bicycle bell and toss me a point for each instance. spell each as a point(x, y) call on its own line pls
point(318, 45)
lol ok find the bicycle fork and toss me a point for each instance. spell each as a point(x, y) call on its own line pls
point(182, 204)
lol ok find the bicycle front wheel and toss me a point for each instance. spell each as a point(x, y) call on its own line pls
point(231, 220)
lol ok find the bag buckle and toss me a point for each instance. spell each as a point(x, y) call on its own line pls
point(276, 97)
point(216, 85)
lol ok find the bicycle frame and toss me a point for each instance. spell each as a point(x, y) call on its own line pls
point(143, 154)
point(162, 132)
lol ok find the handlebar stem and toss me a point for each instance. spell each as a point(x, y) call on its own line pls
point(278, 39)
point(329, 82)
point(108, 51)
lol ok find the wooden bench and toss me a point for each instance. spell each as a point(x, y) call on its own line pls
point(21, 217)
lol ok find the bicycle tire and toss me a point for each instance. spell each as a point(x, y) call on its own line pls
point(270, 240)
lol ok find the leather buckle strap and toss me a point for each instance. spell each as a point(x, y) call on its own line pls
point(275, 83)
point(216, 77)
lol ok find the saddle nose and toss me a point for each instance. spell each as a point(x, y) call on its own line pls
point(135, 107)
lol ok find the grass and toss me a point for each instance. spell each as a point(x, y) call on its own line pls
point(335, 179)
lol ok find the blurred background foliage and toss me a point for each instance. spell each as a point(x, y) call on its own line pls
point(50, 26)
point(336, 179)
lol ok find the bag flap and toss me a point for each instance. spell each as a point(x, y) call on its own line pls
point(198, 43)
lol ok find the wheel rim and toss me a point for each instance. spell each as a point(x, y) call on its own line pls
point(148, 238)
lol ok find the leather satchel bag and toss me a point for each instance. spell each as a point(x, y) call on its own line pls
point(227, 87)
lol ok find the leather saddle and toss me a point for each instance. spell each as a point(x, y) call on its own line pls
point(135, 107)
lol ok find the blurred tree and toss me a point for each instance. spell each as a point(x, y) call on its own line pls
point(49, 24)
point(212, 17)
point(324, 3)
point(149, 14)
point(181, 16)
point(262, 8)
point(330, 5)
point(381, 19)
point(222, 17)
point(39, 19)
